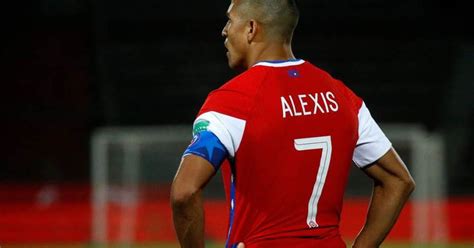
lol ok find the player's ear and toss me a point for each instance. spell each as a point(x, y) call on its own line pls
point(253, 28)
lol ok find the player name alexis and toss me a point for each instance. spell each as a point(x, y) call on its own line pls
point(309, 104)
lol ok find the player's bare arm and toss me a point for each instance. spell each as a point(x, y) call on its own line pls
point(393, 185)
point(186, 200)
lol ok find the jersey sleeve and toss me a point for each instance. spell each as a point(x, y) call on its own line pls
point(225, 112)
point(372, 142)
point(205, 144)
point(227, 129)
point(228, 101)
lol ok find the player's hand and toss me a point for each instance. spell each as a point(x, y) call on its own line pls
point(241, 245)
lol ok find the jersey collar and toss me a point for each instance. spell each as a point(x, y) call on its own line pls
point(280, 63)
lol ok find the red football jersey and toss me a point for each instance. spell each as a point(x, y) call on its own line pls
point(291, 131)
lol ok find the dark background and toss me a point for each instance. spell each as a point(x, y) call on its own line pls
point(71, 66)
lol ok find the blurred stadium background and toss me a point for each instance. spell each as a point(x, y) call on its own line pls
point(99, 96)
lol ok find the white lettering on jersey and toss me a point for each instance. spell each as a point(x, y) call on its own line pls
point(316, 103)
point(295, 112)
point(323, 102)
point(303, 104)
point(334, 106)
point(285, 107)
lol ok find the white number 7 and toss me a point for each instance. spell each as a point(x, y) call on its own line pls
point(324, 143)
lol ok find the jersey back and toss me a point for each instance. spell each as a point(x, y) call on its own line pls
point(291, 132)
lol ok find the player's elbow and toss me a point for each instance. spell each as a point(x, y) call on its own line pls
point(181, 195)
point(410, 184)
point(402, 185)
point(406, 184)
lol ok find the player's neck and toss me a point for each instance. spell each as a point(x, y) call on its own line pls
point(270, 52)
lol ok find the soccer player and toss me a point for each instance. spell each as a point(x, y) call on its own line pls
point(284, 133)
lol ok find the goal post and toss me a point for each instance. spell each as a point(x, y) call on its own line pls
point(427, 166)
point(117, 155)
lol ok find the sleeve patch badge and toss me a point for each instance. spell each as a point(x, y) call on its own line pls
point(199, 126)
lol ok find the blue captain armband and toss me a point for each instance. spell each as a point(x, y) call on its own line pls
point(205, 144)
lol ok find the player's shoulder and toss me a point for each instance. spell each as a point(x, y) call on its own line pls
point(235, 97)
point(246, 82)
point(241, 88)
point(321, 74)
point(339, 85)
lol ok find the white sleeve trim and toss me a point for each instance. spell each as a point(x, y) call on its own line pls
point(372, 143)
point(228, 129)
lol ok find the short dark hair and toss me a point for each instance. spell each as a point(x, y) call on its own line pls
point(279, 17)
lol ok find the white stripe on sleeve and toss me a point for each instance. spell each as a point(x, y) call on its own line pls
point(228, 129)
point(372, 143)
